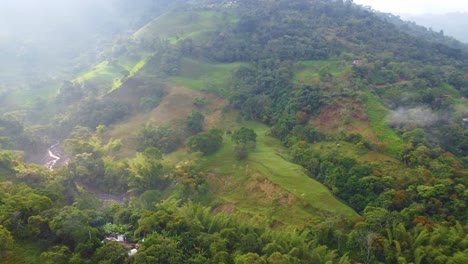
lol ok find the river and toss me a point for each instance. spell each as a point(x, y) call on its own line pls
point(55, 157)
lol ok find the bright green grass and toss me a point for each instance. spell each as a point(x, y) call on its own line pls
point(449, 90)
point(137, 67)
point(377, 114)
point(103, 73)
point(203, 76)
point(108, 76)
point(310, 70)
point(312, 198)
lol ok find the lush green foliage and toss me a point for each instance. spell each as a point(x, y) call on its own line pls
point(163, 138)
point(245, 139)
point(375, 116)
point(206, 142)
point(195, 122)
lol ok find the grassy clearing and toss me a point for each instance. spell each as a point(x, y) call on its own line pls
point(310, 70)
point(265, 164)
point(377, 116)
point(108, 76)
point(204, 76)
point(102, 75)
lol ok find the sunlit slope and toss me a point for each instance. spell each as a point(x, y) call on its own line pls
point(125, 60)
point(267, 185)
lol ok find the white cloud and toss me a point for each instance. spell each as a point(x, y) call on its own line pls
point(416, 6)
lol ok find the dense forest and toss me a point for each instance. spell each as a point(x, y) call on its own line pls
point(267, 131)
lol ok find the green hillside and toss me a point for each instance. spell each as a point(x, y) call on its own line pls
point(242, 132)
point(206, 76)
point(288, 183)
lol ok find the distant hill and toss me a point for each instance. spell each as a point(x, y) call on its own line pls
point(422, 32)
point(452, 24)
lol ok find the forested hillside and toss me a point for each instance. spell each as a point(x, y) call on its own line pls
point(267, 131)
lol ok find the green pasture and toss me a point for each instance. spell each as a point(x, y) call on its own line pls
point(377, 114)
point(108, 76)
point(310, 70)
point(205, 76)
point(266, 162)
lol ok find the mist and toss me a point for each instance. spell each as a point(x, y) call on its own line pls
point(42, 37)
point(419, 116)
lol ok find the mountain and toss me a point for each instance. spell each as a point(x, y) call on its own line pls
point(269, 131)
point(451, 24)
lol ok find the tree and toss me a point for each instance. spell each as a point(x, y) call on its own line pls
point(189, 176)
point(163, 138)
point(56, 255)
point(249, 258)
point(206, 142)
point(245, 139)
point(159, 249)
point(6, 240)
point(71, 226)
point(111, 252)
point(195, 122)
point(147, 172)
point(244, 135)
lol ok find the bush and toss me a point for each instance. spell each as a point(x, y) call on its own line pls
point(195, 122)
point(206, 142)
point(163, 138)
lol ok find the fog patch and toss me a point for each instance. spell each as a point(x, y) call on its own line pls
point(419, 116)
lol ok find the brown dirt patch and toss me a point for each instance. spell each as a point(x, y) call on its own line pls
point(218, 184)
point(178, 104)
point(131, 91)
point(344, 115)
point(270, 190)
point(226, 208)
point(175, 106)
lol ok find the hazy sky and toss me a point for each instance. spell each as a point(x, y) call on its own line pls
point(416, 6)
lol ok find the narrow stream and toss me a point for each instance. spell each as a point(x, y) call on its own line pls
point(53, 155)
point(56, 157)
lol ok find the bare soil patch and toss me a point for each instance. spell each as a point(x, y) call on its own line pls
point(347, 116)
